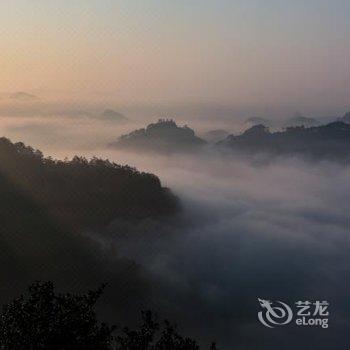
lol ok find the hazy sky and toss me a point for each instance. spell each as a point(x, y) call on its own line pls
point(223, 51)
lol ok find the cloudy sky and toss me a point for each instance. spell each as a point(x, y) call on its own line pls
point(228, 51)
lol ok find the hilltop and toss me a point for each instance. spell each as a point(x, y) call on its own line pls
point(331, 141)
point(162, 136)
point(113, 116)
point(346, 118)
point(23, 96)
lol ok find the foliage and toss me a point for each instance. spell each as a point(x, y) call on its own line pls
point(164, 136)
point(80, 191)
point(45, 320)
point(329, 141)
point(153, 336)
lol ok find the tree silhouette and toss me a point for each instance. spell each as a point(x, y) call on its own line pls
point(330, 141)
point(164, 136)
point(83, 192)
point(46, 320)
point(153, 336)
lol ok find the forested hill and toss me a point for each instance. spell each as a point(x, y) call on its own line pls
point(164, 136)
point(35, 241)
point(331, 141)
point(82, 192)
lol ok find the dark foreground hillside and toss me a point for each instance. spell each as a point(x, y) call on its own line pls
point(82, 192)
point(331, 141)
point(44, 204)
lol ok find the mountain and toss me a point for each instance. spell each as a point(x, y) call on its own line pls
point(162, 136)
point(331, 141)
point(346, 118)
point(297, 120)
point(111, 115)
point(83, 192)
point(215, 135)
point(23, 96)
point(257, 121)
point(47, 211)
point(300, 120)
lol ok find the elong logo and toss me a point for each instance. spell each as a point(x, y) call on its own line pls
point(274, 315)
point(278, 313)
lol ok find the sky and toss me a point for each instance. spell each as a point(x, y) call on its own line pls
point(186, 51)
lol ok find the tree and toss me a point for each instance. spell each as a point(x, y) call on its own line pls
point(81, 192)
point(153, 336)
point(45, 320)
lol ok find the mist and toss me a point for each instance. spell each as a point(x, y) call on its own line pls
point(248, 229)
point(278, 231)
point(47, 121)
point(251, 226)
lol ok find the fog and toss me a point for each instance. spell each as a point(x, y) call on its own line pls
point(271, 228)
point(248, 229)
point(54, 124)
point(277, 231)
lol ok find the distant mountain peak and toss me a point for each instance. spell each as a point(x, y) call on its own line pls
point(330, 141)
point(300, 120)
point(257, 130)
point(338, 125)
point(21, 95)
point(346, 118)
point(258, 121)
point(112, 115)
point(163, 136)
